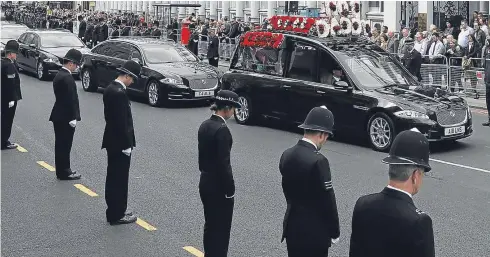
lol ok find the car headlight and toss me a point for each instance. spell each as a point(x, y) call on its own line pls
point(176, 82)
point(408, 114)
point(52, 60)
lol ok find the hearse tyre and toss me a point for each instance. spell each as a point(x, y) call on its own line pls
point(87, 83)
point(244, 115)
point(381, 132)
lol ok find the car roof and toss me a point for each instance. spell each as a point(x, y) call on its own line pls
point(142, 42)
point(50, 31)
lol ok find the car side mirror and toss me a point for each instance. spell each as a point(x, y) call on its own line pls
point(32, 45)
point(137, 60)
point(342, 85)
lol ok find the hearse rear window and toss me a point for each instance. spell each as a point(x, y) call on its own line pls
point(260, 60)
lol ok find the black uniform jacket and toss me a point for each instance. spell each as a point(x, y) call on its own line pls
point(10, 82)
point(307, 186)
point(119, 130)
point(157, 33)
point(388, 224)
point(214, 144)
point(66, 107)
point(213, 47)
point(413, 62)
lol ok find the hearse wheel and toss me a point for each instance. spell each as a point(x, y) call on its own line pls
point(244, 115)
point(381, 132)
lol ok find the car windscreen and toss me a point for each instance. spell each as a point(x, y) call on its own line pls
point(167, 54)
point(60, 40)
point(12, 33)
point(375, 70)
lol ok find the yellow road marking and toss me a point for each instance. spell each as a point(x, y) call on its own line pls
point(86, 190)
point(21, 149)
point(193, 251)
point(145, 225)
point(46, 166)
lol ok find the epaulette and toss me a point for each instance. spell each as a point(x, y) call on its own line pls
point(419, 211)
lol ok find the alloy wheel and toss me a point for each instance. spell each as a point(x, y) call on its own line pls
point(86, 79)
point(380, 132)
point(242, 113)
point(40, 70)
point(153, 93)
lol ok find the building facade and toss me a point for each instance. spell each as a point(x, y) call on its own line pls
point(401, 13)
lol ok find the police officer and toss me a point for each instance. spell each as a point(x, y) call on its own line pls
point(311, 222)
point(216, 186)
point(65, 114)
point(10, 92)
point(119, 141)
point(388, 224)
point(157, 33)
point(412, 59)
point(213, 48)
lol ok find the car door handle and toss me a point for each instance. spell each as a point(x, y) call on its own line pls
point(320, 92)
point(286, 86)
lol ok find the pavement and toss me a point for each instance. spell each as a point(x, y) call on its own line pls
point(45, 217)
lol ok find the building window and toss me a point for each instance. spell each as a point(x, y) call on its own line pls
point(374, 6)
point(220, 4)
point(233, 4)
point(247, 4)
point(263, 4)
point(208, 4)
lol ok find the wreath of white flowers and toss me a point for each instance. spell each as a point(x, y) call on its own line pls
point(279, 23)
point(358, 31)
point(296, 23)
point(333, 23)
point(326, 28)
point(348, 30)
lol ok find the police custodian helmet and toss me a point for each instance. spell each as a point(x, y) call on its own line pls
point(12, 47)
point(319, 119)
point(410, 148)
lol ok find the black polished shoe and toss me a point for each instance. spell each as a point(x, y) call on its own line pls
point(73, 176)
point(9, 146)
point(128, 213)
point(127, 219)
point(486, 124)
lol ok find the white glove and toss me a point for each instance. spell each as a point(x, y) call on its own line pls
point(11, 104)
point(216, 58)
point(336, 240)
point(229, 196)
point(73, 123)
point(127, 151)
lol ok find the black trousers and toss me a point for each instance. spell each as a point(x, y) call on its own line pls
point(297, 250)
point(63, 134)
point(218, 214)
point(116, 184)
point(488, 100)
point(8, 115)
point(213, 62)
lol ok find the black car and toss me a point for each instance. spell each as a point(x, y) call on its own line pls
point(10, 31)
point(170, 72)
point(41, 51)
point(369, 92)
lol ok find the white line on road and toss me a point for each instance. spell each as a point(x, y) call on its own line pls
point(460, 165)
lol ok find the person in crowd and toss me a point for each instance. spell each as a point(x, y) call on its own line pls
point(213, 48)
point(405, 34)
point(89, 32)
point(311, 222)
point(436, 49)
point(82, 27)
point(483, 25)
point(116, 32)
point(392, 43)
point(420, 43)
point(463, 35)
point(412, 59)
point(480, 37)
point(157, 33)
point(473, 50)
point(449, 29)
point(119, 141)
point(65, 114)
point(11, 93)
point(388, 224)
point(96, 32)
point(125, 29)
point(216, 184)
point(454, 53)
point(103, 31)
point(383, 39)
point(486, 56)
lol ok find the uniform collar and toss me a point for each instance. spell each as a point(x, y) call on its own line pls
point(224, 121)
point(63, 67)
point(309, 141)
point(120, 82)
point(399, 190)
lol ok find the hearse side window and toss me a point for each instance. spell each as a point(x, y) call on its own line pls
point(104, 49)
point(329, 70)
point(260, 60)
point(122, 51)
point(135, 53)
point(303, 62)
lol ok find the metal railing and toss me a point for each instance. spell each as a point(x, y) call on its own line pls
point(226, 47)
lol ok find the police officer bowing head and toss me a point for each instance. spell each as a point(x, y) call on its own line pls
point(318, 126)
point(11, 92)
point(388, 223)
point(216, 184)
point(311, 222)
point(128, 74)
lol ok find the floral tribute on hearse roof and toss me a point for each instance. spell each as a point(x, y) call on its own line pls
point(262, 39)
